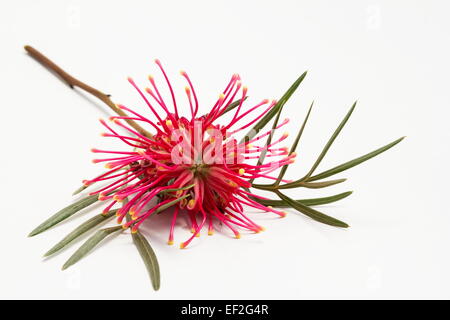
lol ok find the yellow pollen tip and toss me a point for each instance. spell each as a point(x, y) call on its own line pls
point(182, 245)
point(197, 235)
point(238, 236)
point(286, 134)
point(232, 184)
point(124, 227)
point(221, 96)
point(191, 204)
point(241, 171)
point(108, 166)
point(210, 233)
point(283, 214)
point(150, 77)
point(134, 231)
point(262, 228)
point(170, 242)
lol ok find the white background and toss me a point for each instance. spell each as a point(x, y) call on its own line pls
point(392, 56)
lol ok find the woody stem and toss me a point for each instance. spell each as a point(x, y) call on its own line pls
point(73, 82)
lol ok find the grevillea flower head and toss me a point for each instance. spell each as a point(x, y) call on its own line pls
point(193, 165)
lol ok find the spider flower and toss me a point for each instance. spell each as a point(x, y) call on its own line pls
point(191, 165)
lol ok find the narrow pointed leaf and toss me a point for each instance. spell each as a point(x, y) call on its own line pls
point(90, 244)
point(84, 227)
point(306, 202)
point(295, 144)
point(262, 156)
point(233, 105)
point(263, 122)
point(64, 214)
point(311, 185)
point(149, 257)
point(354, 162)
point(83, 187)
point(329, 143)
point(171, 203)
point(312, 213)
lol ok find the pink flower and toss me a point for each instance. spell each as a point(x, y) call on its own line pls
point(193, 164)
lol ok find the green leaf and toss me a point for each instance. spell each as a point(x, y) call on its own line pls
point(84, 227)
point(64, 214)
point(90, 244)
point(311, 185)
point(279, 105)
point(171, 203)
point(294, 145)
point(149, 257)
point(262, 156)
point(305, 202)
point(312, 213)
point(329, 143)
point(83, 187)
point(354, 162)
point(233, 105)
point(146, 251)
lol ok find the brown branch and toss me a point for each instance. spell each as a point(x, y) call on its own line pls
point(73, 82)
